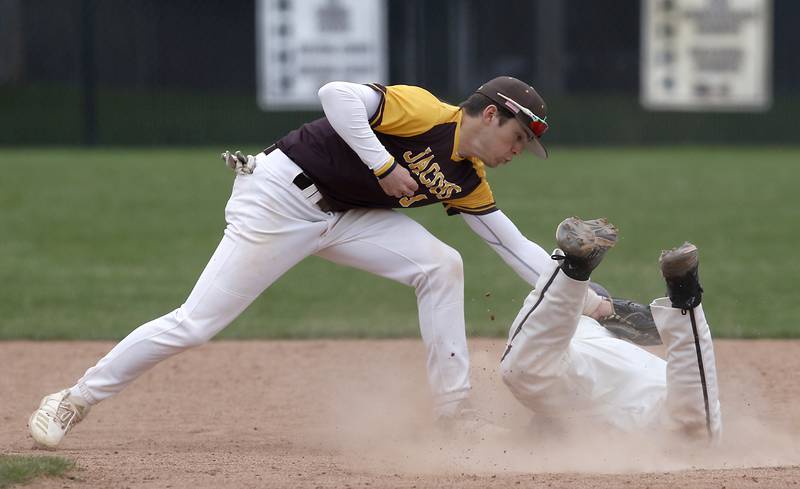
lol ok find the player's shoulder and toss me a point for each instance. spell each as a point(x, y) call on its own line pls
point(419, 96)
point(410, 109)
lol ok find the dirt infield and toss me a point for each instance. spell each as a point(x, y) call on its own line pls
point(349, 414)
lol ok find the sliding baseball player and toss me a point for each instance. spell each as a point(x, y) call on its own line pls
point(563, 365)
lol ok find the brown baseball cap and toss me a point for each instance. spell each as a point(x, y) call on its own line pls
point(527, 106)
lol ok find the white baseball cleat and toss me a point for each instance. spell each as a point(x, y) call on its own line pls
point(57, 414)
point(584, 243)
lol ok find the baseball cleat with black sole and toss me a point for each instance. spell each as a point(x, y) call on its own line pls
point(679, 267)
point(584, 244)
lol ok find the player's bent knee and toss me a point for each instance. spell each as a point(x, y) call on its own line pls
point(523, 379)
point(514, 381)
point(506, 373)
point(438, 271)
point(449, 267)
point(192, 332)
point(193, 337)
point(509, 373)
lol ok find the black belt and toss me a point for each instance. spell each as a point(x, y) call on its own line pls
point(303, 181)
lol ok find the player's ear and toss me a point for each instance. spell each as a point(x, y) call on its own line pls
point(489, 113)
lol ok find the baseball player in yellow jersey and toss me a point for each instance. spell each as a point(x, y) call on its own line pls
point(566, 367)
point(328, 189)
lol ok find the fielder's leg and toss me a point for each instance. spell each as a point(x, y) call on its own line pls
point(692, 392)
point(538, 347)
point(271, 227)
point(392, 245)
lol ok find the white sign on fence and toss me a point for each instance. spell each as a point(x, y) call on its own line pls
point(303, 44)
point(706, 54)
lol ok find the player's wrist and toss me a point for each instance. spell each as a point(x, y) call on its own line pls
point(384, 170)
point(593, 304)
point(604, 310)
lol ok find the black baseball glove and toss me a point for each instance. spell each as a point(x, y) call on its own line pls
point(633, 322)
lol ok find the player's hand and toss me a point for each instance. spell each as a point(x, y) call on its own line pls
point(398, 183)
point(239, 163)
point(603, 310)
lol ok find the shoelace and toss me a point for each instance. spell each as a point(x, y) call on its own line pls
point(65, 412)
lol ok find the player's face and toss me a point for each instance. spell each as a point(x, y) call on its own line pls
point(504, 142)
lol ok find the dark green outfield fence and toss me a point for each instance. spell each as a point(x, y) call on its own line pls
point(51, 115)
point(150, 72)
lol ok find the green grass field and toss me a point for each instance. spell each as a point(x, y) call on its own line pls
point(21, 469)
point(93, 243)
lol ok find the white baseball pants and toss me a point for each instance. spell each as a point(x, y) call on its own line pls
point(561, 364)
point(271, 226)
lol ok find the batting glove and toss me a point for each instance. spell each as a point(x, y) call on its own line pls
point(239, 163)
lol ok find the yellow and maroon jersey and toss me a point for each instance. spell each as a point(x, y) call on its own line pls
point(420, 132)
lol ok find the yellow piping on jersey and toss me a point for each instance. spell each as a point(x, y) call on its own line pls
point(385, 167)
point(470, 210)
point(378, 113)
point(479, 166)
point(457, 137)
point(478, 200)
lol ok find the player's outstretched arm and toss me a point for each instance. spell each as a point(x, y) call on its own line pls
point(524, 256)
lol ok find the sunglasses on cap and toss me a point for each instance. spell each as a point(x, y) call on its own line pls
point(537, 125)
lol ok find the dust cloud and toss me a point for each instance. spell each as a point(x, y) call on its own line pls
point(387, 427)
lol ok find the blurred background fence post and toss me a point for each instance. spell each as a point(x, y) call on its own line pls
point(11, 40)
point(551, 55)
point(88, 72)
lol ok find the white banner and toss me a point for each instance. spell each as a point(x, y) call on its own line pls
point(303, 44)
point(706, 54)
